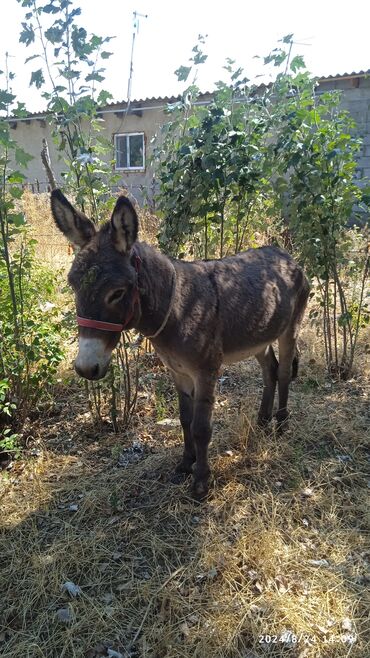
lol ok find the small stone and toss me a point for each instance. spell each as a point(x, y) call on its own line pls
point(117, 555)
point(71, 588)
point(168, 424)
point(64, 615)
point(212, 573)
point(346, 624)
point(107, 598)
point(193, 619)
point(184, 629)
point(344, 458)
point(318, 563)
point(73, 507)
point(307, 492)
point(258, 586)
point(114, 654)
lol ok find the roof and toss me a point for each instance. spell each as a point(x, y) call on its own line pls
point(153, 99)
point(138, 103)
point(345, 76)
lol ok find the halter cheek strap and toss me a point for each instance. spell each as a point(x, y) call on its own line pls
point(98, 324)
point(111, 326)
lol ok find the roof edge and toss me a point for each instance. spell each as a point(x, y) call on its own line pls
point(139, 104)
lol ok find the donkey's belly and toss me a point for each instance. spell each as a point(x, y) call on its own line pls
point(240, 355)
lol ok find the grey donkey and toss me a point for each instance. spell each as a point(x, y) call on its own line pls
point(198, 315)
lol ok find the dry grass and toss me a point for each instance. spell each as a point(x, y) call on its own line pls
point(52, 247)
point(282, 543)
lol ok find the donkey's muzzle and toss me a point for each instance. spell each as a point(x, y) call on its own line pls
point(91, 372)
point(93, 358)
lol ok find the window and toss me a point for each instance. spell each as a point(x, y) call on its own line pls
point(129, 151)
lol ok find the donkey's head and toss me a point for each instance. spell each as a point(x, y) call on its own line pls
point(104, 278)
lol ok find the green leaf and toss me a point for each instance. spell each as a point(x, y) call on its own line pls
point(50, 9)
point(94, 76)
point(69, 74)
point(27, 35)
point(16, 192)
point(199, 58)
point(103, 97)
point(16, 177)
point(18, 219)
point(5, 99)
point(297, 63)
point(182, 73)
point(37, 78)
point(31, 58)
point(21, 157)
point(105, 54)
point(20, 110)
point(54, 34)
point(81, 48)
point(345, 319)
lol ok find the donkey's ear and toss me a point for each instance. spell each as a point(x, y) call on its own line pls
point(73, 223)
point(124, 225)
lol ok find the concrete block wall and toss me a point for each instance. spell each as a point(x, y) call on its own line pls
point(356, 99)
point(147, 116)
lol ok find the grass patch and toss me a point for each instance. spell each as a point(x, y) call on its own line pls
point(275, 563)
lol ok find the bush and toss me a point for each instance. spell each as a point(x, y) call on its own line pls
point(276, 154)
point(30, 331)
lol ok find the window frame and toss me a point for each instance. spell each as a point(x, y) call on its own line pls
point(128, 135)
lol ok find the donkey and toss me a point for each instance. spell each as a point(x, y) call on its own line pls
point(198, 315)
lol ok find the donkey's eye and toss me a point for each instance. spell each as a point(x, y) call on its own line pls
point(115, 296)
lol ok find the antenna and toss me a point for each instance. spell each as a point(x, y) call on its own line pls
point(136, 24)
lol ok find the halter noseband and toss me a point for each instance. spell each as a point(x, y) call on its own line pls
point(111, 326)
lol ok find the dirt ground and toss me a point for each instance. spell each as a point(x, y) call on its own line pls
point(102, 555)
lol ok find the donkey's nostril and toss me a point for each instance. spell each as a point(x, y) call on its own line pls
point(88, 372)
point(78, 370)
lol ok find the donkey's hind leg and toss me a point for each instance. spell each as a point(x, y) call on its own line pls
point(184, 387)
point(269, 365)
point(287, 355)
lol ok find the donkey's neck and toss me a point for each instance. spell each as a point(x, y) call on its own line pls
point(156, 281)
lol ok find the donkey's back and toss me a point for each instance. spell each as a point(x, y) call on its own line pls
point(236, 306)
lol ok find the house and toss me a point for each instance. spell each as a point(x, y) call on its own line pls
point(131, 130)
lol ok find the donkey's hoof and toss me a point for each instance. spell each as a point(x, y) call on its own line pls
point(178, 477)
point(200, 489)
point(282, 420)
point(264, 421)
point(185, 467)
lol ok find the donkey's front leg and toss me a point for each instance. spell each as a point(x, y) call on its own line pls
point(185, 391)
point(202, 429)
point(186, 418)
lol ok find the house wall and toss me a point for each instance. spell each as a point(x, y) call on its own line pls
point(29, 134)
point(356, 99)
point(148, 121)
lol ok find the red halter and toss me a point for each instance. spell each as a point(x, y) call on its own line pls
point(111, 326)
